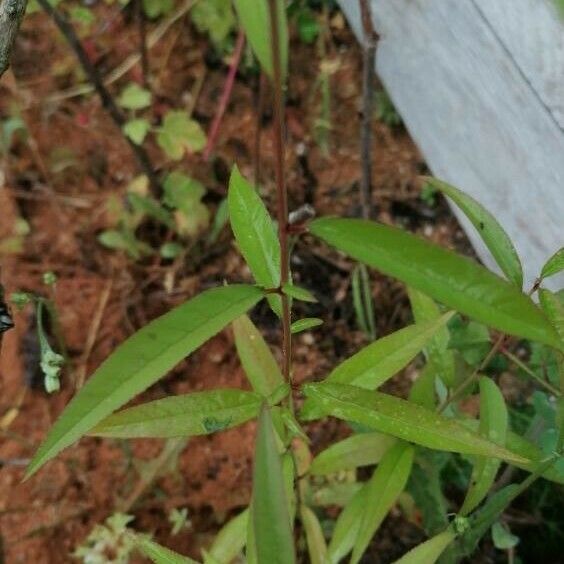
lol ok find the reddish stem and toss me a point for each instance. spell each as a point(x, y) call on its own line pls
point(225, 96)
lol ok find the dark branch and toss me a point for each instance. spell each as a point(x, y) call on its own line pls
point(96, 80)
point(11, 15)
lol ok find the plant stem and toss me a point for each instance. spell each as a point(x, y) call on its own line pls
point(369, 40)
point(11, 15)
point(140, 13)
point(473, 377)
point(96, 79)
point(226, 95)
point(520, 364)
point(282, 204)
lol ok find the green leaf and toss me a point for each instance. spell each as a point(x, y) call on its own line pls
point(456, 281)
point(178, 133)
point(299, 293)
point(554, 264)
point(437, 349)
point(502, 537)
point(363, 449)
point(142, 359)
point(171, 250)
point(134, 97)
point(259, 364)
point(401, 419)
point(317, 548)
point(271, 520)
point(305, 324)
point(491, 232)
point(255, 234)
point(150, 207)
point(493, 426)
point(347, 527)
point(230, 540)
point(214, 17)
point(155, 8)
point(385, 486)
point(553, 307)
point(429, 551)
point(182, 192)
point(137, 129)
point(379, 361)
point(255, 19)
point(160, 554)
point(336, 493)
point(362, 300)
point(199, 413)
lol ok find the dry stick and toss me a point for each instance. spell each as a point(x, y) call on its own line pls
point(278, 107)
point(96, 79)
point(369, 40)
point(11, 15)
point(140, 13)
point(225, 96)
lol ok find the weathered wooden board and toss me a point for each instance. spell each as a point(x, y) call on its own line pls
point(480, 86)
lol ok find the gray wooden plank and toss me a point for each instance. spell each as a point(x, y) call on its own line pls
point(475, 116)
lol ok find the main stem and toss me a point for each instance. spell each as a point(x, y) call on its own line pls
point(282, 197)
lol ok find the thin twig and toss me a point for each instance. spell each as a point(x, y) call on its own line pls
point(279, 171)
point(95, 78)
point(226, 95)
point(370, 39)
point(140, 13)
point(11, 15)
point(520, 364)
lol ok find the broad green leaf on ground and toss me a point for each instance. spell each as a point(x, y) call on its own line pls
point(179, 133)
point(144, 358)
point(387, 483)
point(456, 281)
point(134, 97)
point(554, 264)
point(160, 554)
point(199, 413)
point(148, 206)
point(363, 449)
point(271, 520)
point(437, 349)
point(493, 426)
point(156, 8)
point(136, 130)
point(402, 419)
point(255, 19)
point(255, 234)
point(379, 361)
point(216, 18)
point(429, 551)
point(347, 527)
point(553, 307)
point(259, 364)
point(305, 324)
point(317, 548)
point(491, 232)
point(230, 540)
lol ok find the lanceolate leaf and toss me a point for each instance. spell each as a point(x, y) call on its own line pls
point(553, 306)
point(199, 413)
point(316, 545)
point(402, 419)
point(379, 361)
point(493, 426)
point(437, 349)
point(491, 232)
point(260, 366)
point(144, 358)
point(363, 449)
point(347, 527)
point(456, 281)
point(230, 540)
point(255, 233)
point(160, 554)
point(305, 324)
point(554, 264)
point(254, 16)
point(429, 551)
point(386, 484)
point(271, 520)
